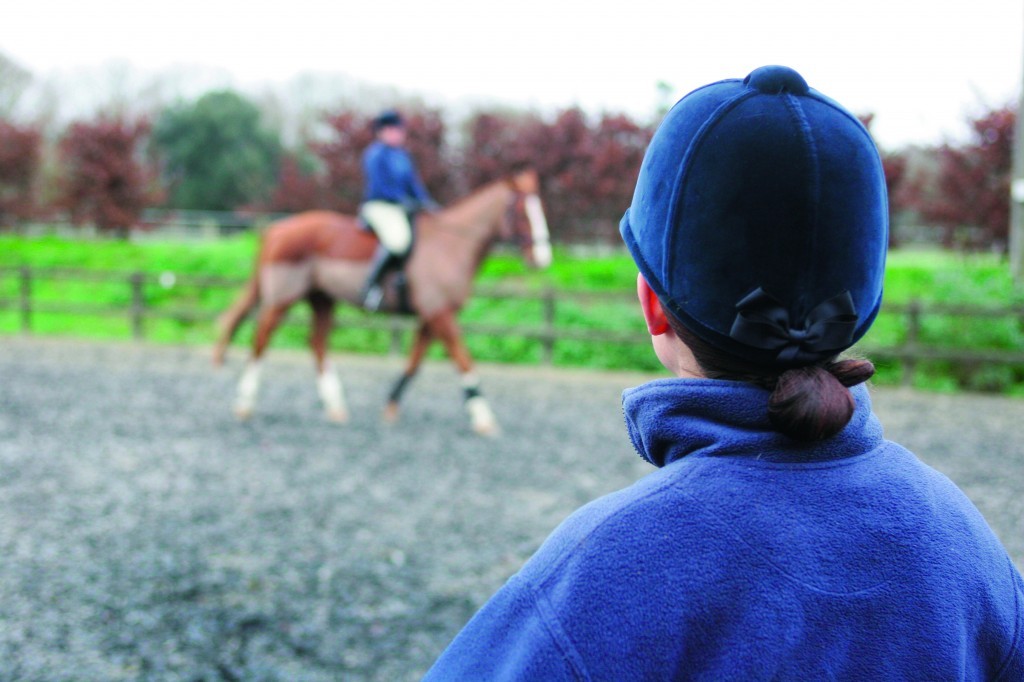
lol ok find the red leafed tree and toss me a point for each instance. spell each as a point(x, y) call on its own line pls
point(298, 188)
point(343, 179)
point(894, 165)
point(562, 155)
point(616, 152)
point(19, 162)
point(588, 170)
point(497, 144)
point(971, 187)
point(105, 178)
point(427, 145)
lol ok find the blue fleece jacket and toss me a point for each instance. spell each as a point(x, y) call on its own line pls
point(390, 175)
point(748, 556)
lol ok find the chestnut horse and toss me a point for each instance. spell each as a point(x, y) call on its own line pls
point(323, 257)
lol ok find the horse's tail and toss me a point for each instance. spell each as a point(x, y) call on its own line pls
point(232, 318)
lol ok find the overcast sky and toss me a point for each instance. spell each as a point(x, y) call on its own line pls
point(920, 67)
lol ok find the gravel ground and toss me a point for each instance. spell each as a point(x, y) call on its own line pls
point(147, 535)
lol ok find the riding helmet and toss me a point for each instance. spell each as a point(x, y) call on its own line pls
point(387, 118)
point(760, 219)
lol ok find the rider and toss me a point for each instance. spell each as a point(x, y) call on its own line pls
point(393, 193)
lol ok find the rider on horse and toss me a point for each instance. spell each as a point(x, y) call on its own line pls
point(392, 195)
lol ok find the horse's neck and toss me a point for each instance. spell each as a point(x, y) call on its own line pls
point(453, 244)
point(478, 216)
point(473, 223)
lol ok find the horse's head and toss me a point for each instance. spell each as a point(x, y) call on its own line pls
point(531, 234)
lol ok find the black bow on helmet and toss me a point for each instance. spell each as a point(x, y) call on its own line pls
point(762, 321)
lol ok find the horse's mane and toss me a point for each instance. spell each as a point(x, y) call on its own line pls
point(481, 190)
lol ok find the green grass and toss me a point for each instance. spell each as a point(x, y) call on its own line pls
point(925, 276)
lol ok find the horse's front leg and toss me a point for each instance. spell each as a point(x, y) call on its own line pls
point(482, 418)
point(328, 383)
point(419, 349)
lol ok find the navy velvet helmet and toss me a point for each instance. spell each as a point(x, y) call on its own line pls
point(386, 119)
point(760, 219)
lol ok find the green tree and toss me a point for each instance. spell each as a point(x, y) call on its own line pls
point(216, 153)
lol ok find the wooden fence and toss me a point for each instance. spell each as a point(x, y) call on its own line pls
point(18, 293)
point(138, 309)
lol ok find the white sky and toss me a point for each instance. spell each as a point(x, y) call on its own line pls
point(920, 67)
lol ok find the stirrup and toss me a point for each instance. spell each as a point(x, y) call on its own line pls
point(373, 298)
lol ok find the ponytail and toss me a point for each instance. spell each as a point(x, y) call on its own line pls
point(807, 404)
point(812, 403)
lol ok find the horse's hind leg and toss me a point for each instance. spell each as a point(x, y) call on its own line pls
point(233, 317)
point(328, 383)
point(419, 348)
point(445, 327)
point(249, 385)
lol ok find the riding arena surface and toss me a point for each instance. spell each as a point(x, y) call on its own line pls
point(145, 534)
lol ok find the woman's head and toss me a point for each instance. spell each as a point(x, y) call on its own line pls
point(760, 224)
point(760, 219)
point(389, 127)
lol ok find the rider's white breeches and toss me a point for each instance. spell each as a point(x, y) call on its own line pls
point(391, 224)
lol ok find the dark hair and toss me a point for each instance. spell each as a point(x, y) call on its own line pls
point(807, 403)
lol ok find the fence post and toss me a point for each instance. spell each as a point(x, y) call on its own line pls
point(138, 306)
point(913, 336)
point(548, 301)
point(26, 299)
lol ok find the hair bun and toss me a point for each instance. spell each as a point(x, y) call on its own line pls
point(814, 403)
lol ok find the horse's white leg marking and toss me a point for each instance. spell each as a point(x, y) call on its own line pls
point(332, 393)
point(538, 230)
point(248, 388)
point(481, 417)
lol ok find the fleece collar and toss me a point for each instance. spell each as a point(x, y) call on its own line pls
point(669, 419)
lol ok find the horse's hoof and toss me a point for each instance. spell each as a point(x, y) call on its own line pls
point(390, 415)
point(488, 429)
point(337, 416)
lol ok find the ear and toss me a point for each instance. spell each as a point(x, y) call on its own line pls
point(654, 315)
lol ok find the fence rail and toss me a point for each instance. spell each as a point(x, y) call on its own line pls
point(18, 293)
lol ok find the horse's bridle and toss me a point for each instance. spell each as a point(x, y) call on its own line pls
point(509, 233)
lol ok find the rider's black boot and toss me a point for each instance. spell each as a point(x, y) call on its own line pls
point(372, 292)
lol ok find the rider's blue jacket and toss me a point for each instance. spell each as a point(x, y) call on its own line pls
point(749, 556)
point(390, 175)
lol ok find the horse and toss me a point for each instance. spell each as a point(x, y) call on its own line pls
point(323, 257)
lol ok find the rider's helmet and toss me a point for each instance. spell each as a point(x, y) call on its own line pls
point(386, 119)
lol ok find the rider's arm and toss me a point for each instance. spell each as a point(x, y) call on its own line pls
point(418, 190)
